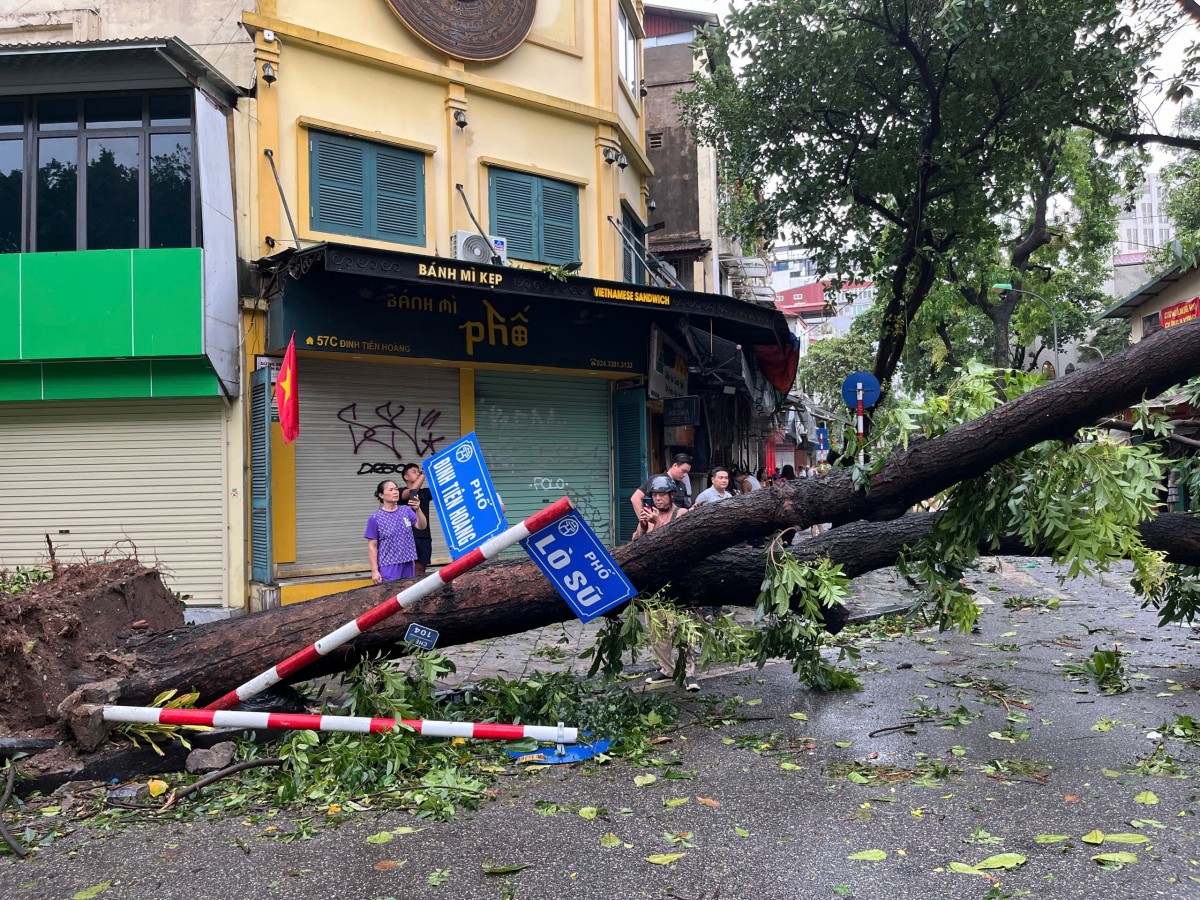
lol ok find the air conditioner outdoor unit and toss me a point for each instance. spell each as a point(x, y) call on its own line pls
point(471, 247)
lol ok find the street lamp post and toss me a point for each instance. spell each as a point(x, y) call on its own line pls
point(1093, 348)
point(1053, 316)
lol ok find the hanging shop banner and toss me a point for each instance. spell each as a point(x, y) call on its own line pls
point(1180, 313)
point(464, 496)
point(579, 567)
point(667, 375)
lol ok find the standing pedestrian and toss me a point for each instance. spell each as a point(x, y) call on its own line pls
point(719, 477)
point(681, 465)
point(390, 545)
point(414, 485)
point(662, 511)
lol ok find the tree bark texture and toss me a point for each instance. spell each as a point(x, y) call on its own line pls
point(508, 597)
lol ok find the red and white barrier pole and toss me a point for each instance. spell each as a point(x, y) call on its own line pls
point(861, 452)
point(372, 617)
point(216, 718)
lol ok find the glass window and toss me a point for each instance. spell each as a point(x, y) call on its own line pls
point(170, 110)
point(58, 115)
point(121, 177)
point(12, 174)
point(112, 193)
point(113, 112)
point(627, 51)
point(12, 117)
point(57, 177)
point(170, 190)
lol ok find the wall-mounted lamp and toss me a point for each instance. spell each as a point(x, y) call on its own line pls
point(269, 75)
point(460, 118)
point(610, 155)
point(573, 266)
point(642, 87)
point(622, 161)
point(651, 206)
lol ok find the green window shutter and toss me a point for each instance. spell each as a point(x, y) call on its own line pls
point(260, 476)
point(560, 222)
point(513, 204)
point(629, 454)
point(338, 185)
point(400, 196)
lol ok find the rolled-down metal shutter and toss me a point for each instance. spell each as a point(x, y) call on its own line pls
point(119, 476)
point(359, 424)
point(546, 437)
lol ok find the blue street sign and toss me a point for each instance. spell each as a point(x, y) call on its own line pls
point(870, 386)
point(464, 496)
point(823, 438)
point(579, 567)
point(425, 638)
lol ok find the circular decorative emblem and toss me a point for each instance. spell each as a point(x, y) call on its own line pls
point(567, 527)
point(464, 453)
point(468, 29)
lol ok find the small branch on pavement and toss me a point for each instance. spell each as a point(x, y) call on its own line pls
point(17, 847)
point(217, 776)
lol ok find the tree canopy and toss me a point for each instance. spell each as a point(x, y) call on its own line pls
point(899, 134)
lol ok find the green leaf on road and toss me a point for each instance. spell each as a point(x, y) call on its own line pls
point(740, 831)
point(643, 780)
point(94, 891)
point(588, 812)
point(664, 859)
point(869, 855)
point(1127, 838)
point(800, 717)
point(1114, 860)
point(1001, 861)
point(964, 869)
point(610, 840)
point(505, 870)
point(1051, 838)
point(675, 801)
point(380, 837)
point(1095, 836)
point(1146, 798)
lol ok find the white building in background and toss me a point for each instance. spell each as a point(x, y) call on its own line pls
point(1142, 230)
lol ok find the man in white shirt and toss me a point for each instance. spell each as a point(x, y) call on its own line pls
point(719, 489)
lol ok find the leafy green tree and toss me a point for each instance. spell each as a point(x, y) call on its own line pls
point(904, 131)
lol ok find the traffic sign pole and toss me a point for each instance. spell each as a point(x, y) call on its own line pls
point(861, 451)
point(372, 617)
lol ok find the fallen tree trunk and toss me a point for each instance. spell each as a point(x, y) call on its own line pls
point(507, 597)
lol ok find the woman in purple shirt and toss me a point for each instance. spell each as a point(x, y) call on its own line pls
point(389, 534)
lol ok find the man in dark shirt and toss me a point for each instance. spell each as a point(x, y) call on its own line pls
point(414, 483)
point(681, 464)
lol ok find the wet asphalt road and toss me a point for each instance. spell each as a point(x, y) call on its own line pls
point(1003, 748)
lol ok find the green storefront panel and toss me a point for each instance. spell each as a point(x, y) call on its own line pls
point(96, 380)
point(76, 305)
point(184, 378)
point(168, 303)
point(10, 306)
point(108, 379)
point(545, 437)
point(102, 304)
point(20, 381)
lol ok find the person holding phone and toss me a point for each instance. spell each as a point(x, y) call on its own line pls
point(414, 486)
point(390, 545)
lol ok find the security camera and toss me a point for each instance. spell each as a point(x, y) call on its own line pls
point(269, 36)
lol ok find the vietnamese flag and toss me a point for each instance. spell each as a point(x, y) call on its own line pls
point(287, 394)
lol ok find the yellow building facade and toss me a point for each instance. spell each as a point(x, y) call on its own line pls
point(449, 205)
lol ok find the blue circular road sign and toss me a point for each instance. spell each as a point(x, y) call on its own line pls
point(870, 389)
